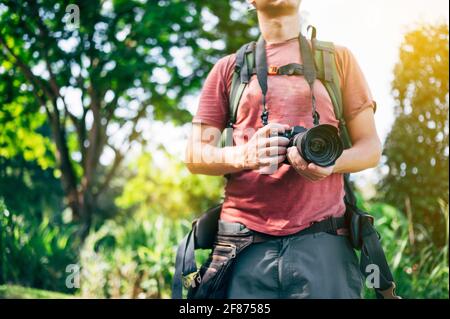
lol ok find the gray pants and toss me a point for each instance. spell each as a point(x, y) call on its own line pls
point(314, 266)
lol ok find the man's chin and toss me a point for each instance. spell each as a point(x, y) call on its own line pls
point(281, 6)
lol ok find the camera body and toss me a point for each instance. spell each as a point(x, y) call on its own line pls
point(292, 133)
point(320, 145)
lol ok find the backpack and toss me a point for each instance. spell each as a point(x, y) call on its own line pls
point(362, 233)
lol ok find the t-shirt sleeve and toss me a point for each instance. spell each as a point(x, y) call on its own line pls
point(356, 94)
point(213, 108)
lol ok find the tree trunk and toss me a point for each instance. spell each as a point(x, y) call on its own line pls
point(86, 213)
point(79, 199)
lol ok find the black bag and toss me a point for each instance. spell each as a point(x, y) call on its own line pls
point(201, 236)
point(206, 228)
point(364, 237)
point(212, 279)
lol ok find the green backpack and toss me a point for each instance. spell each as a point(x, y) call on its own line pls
point(325, 63)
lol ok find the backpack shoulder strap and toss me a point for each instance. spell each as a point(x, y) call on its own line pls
point(325, 59)
point(243, 70)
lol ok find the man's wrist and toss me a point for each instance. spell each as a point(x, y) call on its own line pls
point(334, 171)
point(338, 166)
point(235, 157)
point(240, 155)
point(341, 163)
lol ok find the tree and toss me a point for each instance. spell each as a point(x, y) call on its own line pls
point(99, 81)
point(417, 149)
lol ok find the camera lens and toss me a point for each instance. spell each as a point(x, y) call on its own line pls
point(317, 145)
point(320, 145)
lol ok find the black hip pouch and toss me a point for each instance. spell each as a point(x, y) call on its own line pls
point(210, 282)
point(356, 218)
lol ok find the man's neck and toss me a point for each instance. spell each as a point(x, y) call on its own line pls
point(279, 29)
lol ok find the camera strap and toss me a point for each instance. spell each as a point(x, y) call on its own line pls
point(309, 72)
point(261, 74)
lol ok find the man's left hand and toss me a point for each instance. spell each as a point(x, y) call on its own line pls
point(310, 171)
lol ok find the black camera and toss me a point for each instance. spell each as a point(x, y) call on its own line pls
point(320, 145)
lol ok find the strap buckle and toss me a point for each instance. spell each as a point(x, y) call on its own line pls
point(273, 70)
point(191, 279)
point(389, 293)
point(369, 218)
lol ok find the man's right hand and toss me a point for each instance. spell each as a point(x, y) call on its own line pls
point(265, 148)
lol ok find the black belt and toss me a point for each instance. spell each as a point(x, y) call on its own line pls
point(332, 225)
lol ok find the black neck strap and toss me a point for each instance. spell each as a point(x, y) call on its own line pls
point(309, 72)
point(261, 73)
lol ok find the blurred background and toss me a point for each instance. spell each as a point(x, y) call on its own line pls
point(96, 98)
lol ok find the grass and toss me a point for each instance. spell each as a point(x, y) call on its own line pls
point(18, 292)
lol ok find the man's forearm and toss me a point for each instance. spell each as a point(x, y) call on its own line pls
point(363, 155)
point(207, 159)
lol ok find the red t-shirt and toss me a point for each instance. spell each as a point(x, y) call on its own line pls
point(285, 202)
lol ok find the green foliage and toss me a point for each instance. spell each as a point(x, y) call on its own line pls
point(21, 185)
point(420, 271)
point(34, 253)
point(417, 148)
point(17, 292)
point(22, 132)
point(134, 260)
point(168, 188)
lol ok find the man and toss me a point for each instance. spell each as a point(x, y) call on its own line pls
point(293, 197)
